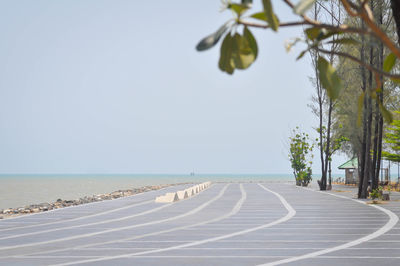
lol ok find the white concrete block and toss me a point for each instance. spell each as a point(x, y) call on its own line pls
point(167, 198)
point(189, 192)
point(182, 194)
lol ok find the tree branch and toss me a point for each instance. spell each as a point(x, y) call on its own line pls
point(348, 6)
point(379, 33)
point(263, 26)
point(341, 28)
point(360, 62)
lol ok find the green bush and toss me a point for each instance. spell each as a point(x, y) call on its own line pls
point(300, 157)
point(376, 193)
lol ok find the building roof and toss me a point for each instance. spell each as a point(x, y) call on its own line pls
point(351, 164)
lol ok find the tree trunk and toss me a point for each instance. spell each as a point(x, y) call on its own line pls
point(379, 156)
point(372, 61)
point(361, 157)
point(380, 99)
point(374, 184)
point(396, 15)
point(330, 175)
point(367, 161)
point(328, 136)
point(322, 183)
point(369, 89)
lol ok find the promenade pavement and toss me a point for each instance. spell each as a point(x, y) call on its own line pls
point(226, 224)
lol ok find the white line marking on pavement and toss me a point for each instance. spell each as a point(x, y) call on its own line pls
point(220, 256)
point(214, 248)
point(121, 228)
point(357, 257)
point(288, 216)
point(393, 219)
point(80, 218)
point(239, 241)
point(235, 210)
point(148, 257)
point(31, 215)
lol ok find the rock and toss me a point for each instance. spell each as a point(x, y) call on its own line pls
point(59, 203)
point(385, 197)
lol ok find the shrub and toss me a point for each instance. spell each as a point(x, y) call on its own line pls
point(300, 157)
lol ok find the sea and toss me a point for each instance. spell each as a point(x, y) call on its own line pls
point(23, 190)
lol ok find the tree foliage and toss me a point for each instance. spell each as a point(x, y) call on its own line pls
point(300, 156)
point(392, 138)
point(239, 50)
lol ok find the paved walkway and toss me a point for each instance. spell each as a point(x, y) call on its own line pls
point(227, 224)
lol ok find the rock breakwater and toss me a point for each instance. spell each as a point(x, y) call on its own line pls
point(61, 203)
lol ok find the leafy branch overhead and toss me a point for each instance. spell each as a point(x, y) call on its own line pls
point(239, 49)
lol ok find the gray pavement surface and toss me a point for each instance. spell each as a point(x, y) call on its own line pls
point(226, 224)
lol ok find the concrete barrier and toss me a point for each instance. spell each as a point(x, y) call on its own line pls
point(169, 197)
point(183, 194)
point(189, 192)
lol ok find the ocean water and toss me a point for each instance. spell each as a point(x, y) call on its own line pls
point(22, 190)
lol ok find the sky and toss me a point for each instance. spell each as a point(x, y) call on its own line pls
point(95, 86)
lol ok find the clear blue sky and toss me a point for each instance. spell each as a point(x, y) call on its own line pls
point(117, 87)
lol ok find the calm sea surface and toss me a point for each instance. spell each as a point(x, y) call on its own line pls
point(21, 190)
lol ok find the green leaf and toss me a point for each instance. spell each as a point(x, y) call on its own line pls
point(329, 78)
point(259, 16)
point(226, 55)
point(312, 33)
point(212, 39)
point(242, 53)
point(387, 115)
point(252, 41)
point(303, 6)
point(359, 108)
point(325, 34)
point(239, 9)
point(345, 41)
point(389, 62)
point(302, 54)
point(272, 19)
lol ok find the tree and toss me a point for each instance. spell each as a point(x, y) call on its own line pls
point(392, 138)
point(322, 105)
point(239, 51)
point(366, 139)
point(300, 155)
point(361, 27)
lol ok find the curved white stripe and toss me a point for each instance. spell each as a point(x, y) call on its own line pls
point(89, 224)
point(69, 207)
point(393, 219)
point(235, 210)
point(289, 215)
point(74, 219)
point(121, 228)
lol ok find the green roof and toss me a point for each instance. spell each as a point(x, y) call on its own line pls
point(351, 164)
